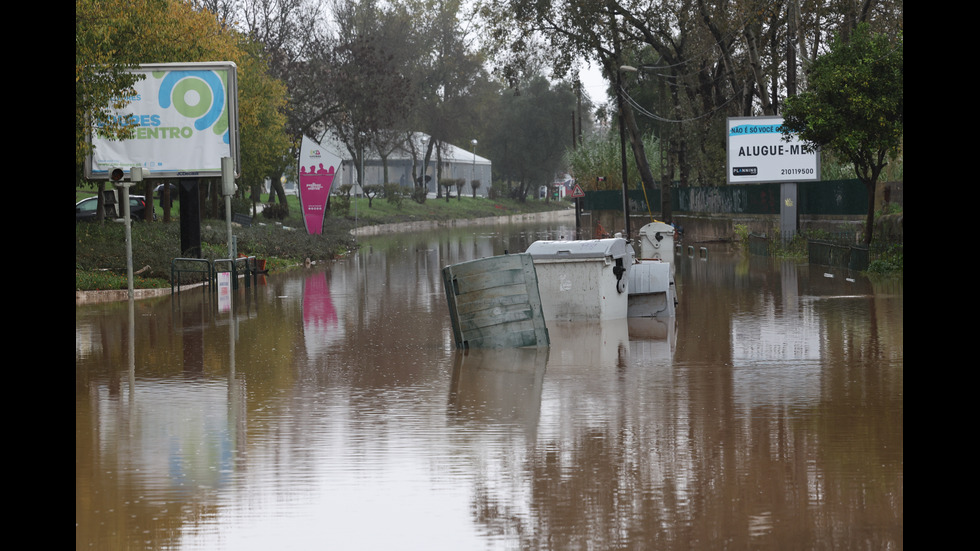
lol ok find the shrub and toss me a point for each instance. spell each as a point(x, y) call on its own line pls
point(891, 260)
point(420, 194)
point(742, 234)
point(340, 205)
point(393, 194)
point(371, 191)
point(100, 255)
point(448, 184)
point(239, 205)
point(276, 211)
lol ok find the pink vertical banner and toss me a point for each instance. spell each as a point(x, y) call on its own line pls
point(314, 188)
point(317, 168)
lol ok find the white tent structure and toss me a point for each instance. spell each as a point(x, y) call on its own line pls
point(457, 163)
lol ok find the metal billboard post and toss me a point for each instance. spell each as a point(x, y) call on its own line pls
point(788, 219)
point(228, 189)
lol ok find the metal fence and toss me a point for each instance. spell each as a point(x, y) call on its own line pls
point(840, 251)
point(818, 199)
point(827, 253)
point(838, 197)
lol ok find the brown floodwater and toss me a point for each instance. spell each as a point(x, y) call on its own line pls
point(329, 410)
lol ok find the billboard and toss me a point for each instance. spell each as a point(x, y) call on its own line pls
point(317, 168)
point(758, 152)
point(184, 119)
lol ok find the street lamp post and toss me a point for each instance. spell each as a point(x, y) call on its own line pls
point(425, 165)
point(473, 172)
point(622, 152)
point(664, 135)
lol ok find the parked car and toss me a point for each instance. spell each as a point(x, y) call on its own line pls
point(86, 208)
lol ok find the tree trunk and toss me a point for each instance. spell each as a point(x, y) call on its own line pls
point(869, 224)
point(439, 171)
point(755, 64)
point(148, 197)
point(100, 202)
point(279, 192)
point(791, 48)
point(256, 197)
point(639, 152)
point(167, 202)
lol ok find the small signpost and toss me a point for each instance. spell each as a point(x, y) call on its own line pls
point(224, 292)
point(578, 194)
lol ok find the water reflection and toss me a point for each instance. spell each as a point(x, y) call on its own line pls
point(330, 409)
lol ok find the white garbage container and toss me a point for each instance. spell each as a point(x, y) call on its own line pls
point(657, 241)
point(583, 280)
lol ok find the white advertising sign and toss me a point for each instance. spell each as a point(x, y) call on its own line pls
point(758, 153)
point(224, 292)
point(184, 118)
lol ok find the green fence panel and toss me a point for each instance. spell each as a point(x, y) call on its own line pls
point(837, 197)
point(841, 197)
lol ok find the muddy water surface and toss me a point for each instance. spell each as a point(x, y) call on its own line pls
point(329, 410)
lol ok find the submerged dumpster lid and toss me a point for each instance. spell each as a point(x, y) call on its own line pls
point(615, 247)
point(655, 227)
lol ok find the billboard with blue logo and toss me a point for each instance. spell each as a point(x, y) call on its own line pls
point(184, 119)
point(758, 152)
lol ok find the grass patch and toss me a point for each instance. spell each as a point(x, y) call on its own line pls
point(100, 249)
point(383, 211)
point(100, 261)
point(105, 280)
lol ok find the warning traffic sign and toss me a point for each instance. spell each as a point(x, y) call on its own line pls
point(577, 191)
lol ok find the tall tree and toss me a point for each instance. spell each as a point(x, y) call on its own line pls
point(713, 59)
point(598, 32)
point(447, 71)
point(370, 77)
point(113, 36)
point(263, 123)
point(529, 143)
point(107, 46)
point(295, 43)
point(855, 105)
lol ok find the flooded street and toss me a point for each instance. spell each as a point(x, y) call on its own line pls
point(330, 410)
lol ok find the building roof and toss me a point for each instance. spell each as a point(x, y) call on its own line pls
point(450, 153)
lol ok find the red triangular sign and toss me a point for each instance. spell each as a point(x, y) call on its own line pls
point(577, 191)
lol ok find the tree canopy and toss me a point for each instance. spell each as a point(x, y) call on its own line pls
point(694, 62)
point(535, 132)
point(373, 73)
point(114, 36)
point(854, 105)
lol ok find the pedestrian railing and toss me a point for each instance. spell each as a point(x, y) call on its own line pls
point(246, 265)
point(180, 266)
point(207, 271)
point(826, 253)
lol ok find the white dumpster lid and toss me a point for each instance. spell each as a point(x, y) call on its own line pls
point(654, 227)
point(615, 247)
